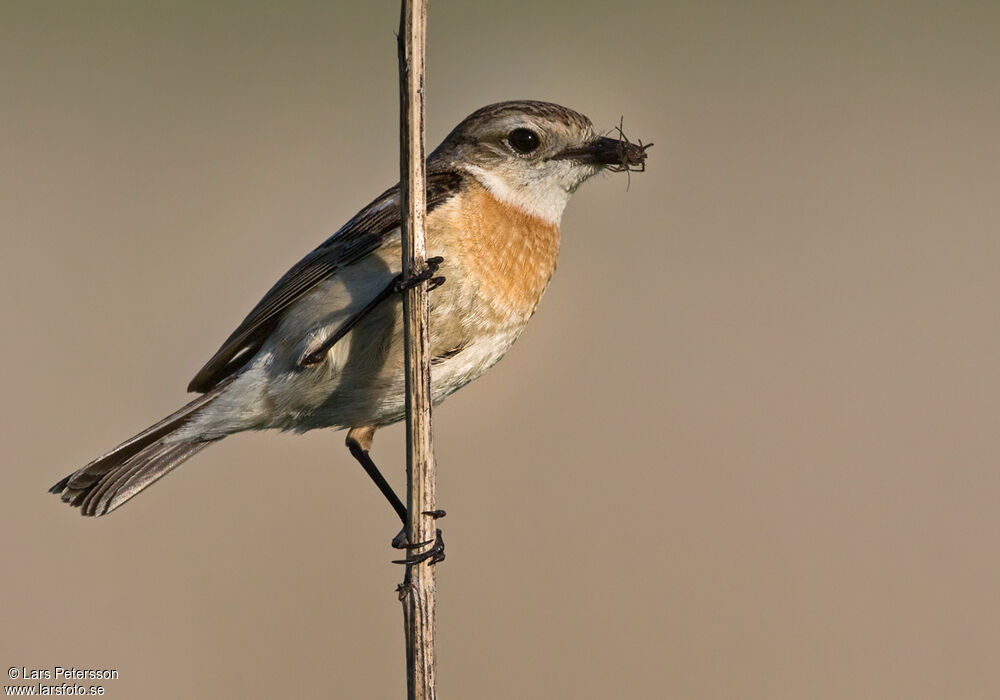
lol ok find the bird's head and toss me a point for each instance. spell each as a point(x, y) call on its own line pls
point(533, 155)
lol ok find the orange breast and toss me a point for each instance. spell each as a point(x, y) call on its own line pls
point(509, 255)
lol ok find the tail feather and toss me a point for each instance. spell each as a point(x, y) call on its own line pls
point(114, 478)
point(108, 482)
point(124, 482)
point(152, 472)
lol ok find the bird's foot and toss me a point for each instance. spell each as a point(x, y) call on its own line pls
point(401, 283)
point(434, 554)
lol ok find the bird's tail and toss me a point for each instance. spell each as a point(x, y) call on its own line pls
point(113, 478)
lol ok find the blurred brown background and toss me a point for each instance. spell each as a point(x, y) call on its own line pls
point(746, 449)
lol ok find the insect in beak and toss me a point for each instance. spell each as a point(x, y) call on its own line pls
point(616, 154)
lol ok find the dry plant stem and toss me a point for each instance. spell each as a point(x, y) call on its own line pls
point(417, 592)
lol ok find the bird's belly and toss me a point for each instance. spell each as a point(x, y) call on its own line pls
point(454, 367)
point(370, 388)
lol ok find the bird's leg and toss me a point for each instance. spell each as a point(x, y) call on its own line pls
point(359, 442)
point(399, 284)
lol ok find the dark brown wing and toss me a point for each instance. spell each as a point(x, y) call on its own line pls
point(366, 232)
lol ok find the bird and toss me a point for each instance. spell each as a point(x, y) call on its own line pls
point(324, 346)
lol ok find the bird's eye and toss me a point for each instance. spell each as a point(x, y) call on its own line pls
point(523, 140)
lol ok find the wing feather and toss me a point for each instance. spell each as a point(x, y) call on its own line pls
point(359, 237)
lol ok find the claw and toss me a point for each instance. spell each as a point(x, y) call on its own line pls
point(431, 265)
point(435, 283)
point(399, 541)
point(433, 555)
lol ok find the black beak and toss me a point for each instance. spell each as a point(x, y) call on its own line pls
point(614, 154)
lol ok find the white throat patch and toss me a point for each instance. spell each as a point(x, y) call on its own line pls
point(542, 201)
